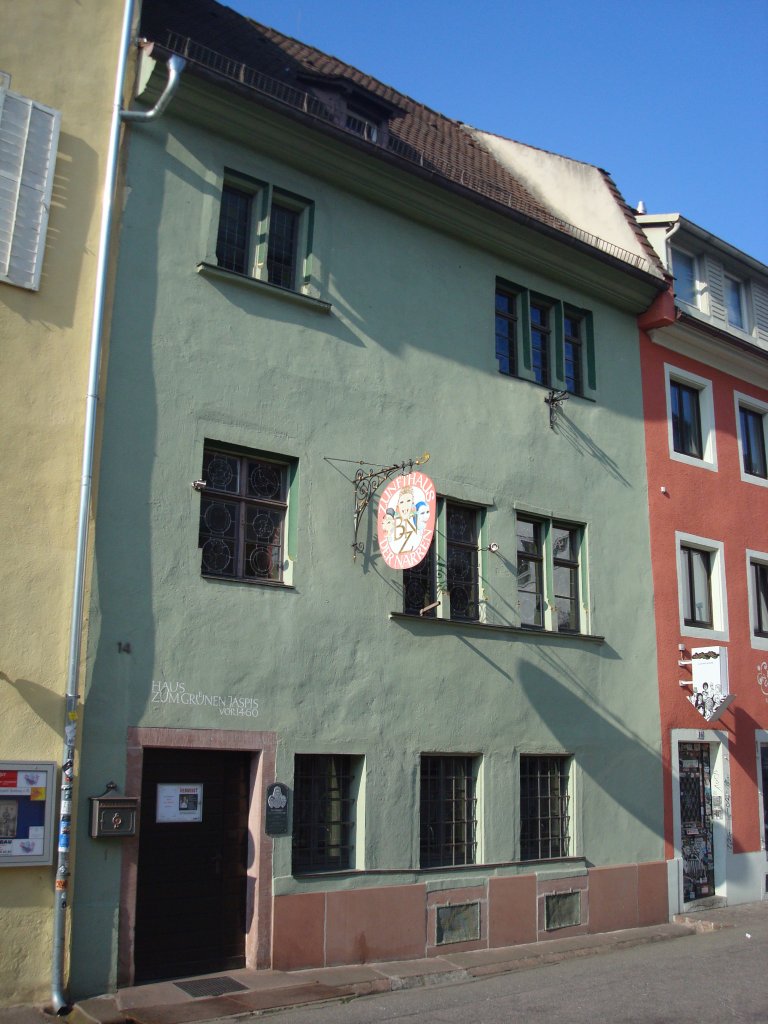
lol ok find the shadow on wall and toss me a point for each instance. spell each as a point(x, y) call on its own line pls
point(47, 704)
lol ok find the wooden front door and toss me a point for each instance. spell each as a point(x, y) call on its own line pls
point(191, 885)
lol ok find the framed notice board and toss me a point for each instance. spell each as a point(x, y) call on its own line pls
point(27, 796)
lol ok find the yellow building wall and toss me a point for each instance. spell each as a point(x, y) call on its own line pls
point(62, 53)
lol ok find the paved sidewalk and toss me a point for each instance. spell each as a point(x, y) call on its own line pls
point(245, 992)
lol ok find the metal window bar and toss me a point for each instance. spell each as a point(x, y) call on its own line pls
point(323, 808)
point(544, 808)
point(461, 562)
point(419, 586)
point(299, 99)
point(448, 811)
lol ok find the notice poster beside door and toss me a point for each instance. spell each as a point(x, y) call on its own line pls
point(179, 801)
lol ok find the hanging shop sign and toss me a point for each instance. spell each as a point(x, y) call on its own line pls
point(276, 816)
point(406, 520)
point(179, 801)
point(26, 812)
point(711, 694)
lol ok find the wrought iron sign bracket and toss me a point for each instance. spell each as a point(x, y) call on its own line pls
point(367, 483)
point(555, 400)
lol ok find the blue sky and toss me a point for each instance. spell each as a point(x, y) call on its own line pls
point(669, 96)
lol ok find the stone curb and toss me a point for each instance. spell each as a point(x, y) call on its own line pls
point(460, 968)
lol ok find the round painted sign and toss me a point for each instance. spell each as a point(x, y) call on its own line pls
point(406, 520)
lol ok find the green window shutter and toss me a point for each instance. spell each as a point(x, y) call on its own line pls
point(558, 333)
point(525, 327)
point(589, 331)
point(760, 310)
point(29, 134)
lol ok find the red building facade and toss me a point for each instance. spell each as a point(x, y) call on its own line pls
point(705, 392)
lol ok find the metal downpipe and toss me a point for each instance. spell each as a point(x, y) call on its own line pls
point(175, 66)
point(61, 883)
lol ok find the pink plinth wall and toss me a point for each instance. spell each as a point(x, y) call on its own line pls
point(399, 922)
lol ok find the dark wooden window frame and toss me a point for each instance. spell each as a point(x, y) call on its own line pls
point(438, 576)
point(688, 555)
point(760, 597)
point(753, 442)
point(234, 546)
point(685, 405)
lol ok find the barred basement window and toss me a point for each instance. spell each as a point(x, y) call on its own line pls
point(448, 811)
point(242, 516)
point(544, 808)
point(323, 812)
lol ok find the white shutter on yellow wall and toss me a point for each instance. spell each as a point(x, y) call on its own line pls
point(29, 135)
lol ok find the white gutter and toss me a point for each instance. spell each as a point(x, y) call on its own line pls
point(175, 66)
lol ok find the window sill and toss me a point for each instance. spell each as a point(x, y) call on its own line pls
point(521, 631)
point(273, 584)
point(211, 270)
point(550, 387)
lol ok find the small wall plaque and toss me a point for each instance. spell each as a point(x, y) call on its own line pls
point(276, 815)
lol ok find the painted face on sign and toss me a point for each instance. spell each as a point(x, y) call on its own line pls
point(405, 503)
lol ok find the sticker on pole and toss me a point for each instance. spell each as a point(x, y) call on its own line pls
point(406, 520)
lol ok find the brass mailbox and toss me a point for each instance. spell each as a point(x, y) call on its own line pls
point(113, 815)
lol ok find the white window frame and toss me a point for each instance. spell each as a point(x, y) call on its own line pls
point(27, 168)
point(720, 776)
point(718, 596)
point(759, 643)
point(708, 459)
point(744, 325)
point(740, 401)
point(698, 283)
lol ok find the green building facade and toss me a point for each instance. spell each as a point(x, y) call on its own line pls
point(310, 286)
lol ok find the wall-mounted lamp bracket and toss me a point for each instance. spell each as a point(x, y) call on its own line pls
point(554, 400)
point(366, 485)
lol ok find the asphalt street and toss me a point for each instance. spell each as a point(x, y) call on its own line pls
point(709, 978)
